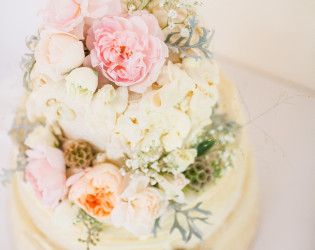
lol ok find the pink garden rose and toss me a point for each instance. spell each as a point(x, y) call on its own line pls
point(46, 172)
point(96, 190)
point(68, 15)
point(128, 50)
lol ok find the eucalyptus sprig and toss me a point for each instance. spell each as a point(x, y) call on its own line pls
point(28, 60)
point(190, 228)
point(20, 129)
point(7, 174)
point(92, 228)
point(182, 44)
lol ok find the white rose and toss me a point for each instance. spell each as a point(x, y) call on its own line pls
point(180, 159)
point(41, 136)
point(57, 53)
point(82, 82)
point(140, 207)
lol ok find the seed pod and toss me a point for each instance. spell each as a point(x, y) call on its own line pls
point(199, 173)
point(78, 154)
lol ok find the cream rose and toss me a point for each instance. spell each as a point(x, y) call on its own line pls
point(140, 207)
point(57, 53)
point(82, 83)
point(97, 190)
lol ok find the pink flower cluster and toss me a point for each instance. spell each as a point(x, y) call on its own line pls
point(126, 49)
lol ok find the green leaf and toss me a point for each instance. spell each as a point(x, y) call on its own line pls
point(204, 147)
point(192, 229)
point(156, 227)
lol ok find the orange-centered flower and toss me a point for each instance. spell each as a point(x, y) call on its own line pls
point(97, 190)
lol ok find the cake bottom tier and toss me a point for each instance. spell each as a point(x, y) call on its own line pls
point(233, 202)
point(236, 233)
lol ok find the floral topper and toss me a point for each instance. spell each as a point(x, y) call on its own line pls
point(109, 58)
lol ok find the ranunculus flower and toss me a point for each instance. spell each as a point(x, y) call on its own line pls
point(140, 206)
point(46, 172)
point(82, 82)
point(68, 15)
point(97, 190)
point(128, 50)
point(57, 53)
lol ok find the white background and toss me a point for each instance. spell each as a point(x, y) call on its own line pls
point(274, 37)
point(283, 138)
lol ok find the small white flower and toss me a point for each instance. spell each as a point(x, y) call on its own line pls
point(171, 25)
point(184, 32)
point(132, 7)
point(172, 14)
point(123, 171)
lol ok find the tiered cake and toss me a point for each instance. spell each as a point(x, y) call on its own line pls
point(129, 137)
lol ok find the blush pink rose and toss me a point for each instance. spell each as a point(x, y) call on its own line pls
point(68, 15)
point(58, 53)
point(128, 50)
point(97, 190)
point(46, 172)
point(140, 206)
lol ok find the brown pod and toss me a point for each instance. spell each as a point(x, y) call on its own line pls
point(78, 154)
point(199, 173)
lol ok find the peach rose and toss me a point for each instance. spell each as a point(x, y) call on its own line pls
point(97, 190)
point(57, 53)
point(128, 50)
point(68, 15)
point(46, 172)
point(139, 208)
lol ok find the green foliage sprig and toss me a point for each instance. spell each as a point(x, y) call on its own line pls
point(20, 129)
point(190, 228)
point(7, 174)
point(28, 60)
point(221, 154)
point(92, 227)
point(183, 44)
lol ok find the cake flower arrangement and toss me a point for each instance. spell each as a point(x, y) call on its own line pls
point(120, 120)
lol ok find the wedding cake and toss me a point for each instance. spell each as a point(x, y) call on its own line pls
point(129, 136)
